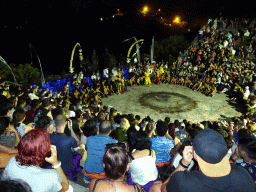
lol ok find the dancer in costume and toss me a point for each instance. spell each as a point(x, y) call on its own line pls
point(147, 78)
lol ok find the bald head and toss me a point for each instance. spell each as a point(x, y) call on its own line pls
point(105, 127)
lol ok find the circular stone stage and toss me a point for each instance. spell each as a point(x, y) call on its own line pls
point(174, 101)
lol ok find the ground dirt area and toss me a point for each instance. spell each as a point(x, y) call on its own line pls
point(174, 101)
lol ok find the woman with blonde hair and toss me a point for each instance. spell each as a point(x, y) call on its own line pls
point(122, 130)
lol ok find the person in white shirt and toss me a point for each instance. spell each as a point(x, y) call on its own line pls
point(32, 95)
point(218, 80)
point(246, 35)
point(225, 43)
point(81, 75)
point(246, 92)
point(105, 73)
point(94, 78)
point(166, 65)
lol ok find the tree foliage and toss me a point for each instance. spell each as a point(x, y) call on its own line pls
point(20, 71)
point(169, 48)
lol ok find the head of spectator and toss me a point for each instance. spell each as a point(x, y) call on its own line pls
point(101, 116)
point(243, 133)
point(192, 132)
point(34, 147)
point(148, 129)
point(6, 108)
point(21, 103)
point(89, 128)
point(57, 111)
point(117, 118)
point(139, 141)
point(105, 127)
point(210, 151)
point(76, 126)
point(137, 119)
point(115, 160)
point(247, 149)
point(167, 120)
point(115, 163)
point(171, 129)
point(4, 124)
point(124, 124)
point(45, 123)
point(176, 123)
point(60, 123)
point(112, 115)
point(46, 103)
point(79, 116)
point(161, 128)
point(19, 116)
point(14, 186)
point(105, 108)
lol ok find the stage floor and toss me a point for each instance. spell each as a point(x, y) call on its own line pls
point(174, 101)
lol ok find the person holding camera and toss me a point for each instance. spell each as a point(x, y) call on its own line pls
point(64, 145)
point(216, 173)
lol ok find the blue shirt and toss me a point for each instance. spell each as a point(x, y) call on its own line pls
point(162, 146)
point(95, 147)
point(63, 145)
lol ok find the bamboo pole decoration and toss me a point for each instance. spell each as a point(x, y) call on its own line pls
point(71, 69)
point(4, 62)
point(128, 55)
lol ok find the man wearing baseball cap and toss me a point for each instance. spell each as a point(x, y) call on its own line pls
point(215, 174)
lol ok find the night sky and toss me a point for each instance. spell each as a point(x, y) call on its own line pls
point(54, 27)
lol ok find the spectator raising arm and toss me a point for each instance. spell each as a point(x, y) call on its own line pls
point(57, 165)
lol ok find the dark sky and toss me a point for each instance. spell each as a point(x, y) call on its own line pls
point(50, 11)
point(45, 12)
point(54, 27)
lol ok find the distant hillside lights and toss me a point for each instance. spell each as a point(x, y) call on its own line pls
point(118, 13)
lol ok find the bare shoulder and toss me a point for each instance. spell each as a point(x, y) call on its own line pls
point(156, 187)
point(130, 188)
point(101, 185)
point(143, 153)
point(109, 186)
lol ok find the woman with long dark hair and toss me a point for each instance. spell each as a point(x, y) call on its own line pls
point(142, 168)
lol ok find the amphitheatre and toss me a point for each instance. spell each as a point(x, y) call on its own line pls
point(174, 101)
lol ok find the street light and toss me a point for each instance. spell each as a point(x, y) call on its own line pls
point(176, 20)
point(145, 10)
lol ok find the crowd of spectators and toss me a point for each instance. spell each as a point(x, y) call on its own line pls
point(49, 137)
